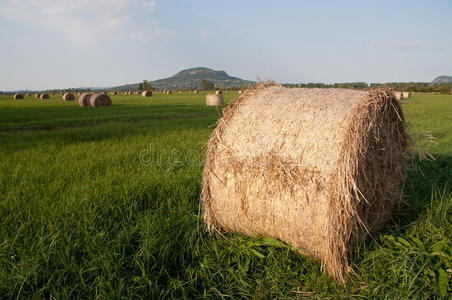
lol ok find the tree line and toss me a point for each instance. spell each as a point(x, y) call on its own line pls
point(422, 87)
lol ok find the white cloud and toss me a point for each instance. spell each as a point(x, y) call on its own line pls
point(400, 44)
point(204, 32)
point(149, 5)
point(86, 22)
point(146, 35)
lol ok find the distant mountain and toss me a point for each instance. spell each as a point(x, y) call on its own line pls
point(441, 80)
point(190, 79)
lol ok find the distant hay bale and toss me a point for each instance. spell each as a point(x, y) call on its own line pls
point(99, 99)
point(406, 95)
point(18, 96)
point(239, 91)
point(398, 95)
point(214, 99)
point(168, 92)
point(219, 92)
point(68, 97)
point(28, 95)
point(315, 168)
point(44, 96)
point(146, 94)
point(38, 95)
point(83, 99)
point(196, 91)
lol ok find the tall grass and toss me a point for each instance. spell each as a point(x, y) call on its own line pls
point(104, 203)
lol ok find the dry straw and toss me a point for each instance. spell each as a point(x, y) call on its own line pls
point(83, 99)
point(406, 95)
point(316, 168)
point(99, 99)
point(68, 97)
point(18, 96)
point(398, 95)
point(214, 99)
point(146, 94)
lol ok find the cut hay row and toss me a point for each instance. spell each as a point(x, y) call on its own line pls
point(316, 168)
point(93, 100)
point(214, 99)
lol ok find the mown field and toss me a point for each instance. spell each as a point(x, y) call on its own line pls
point(104, 203)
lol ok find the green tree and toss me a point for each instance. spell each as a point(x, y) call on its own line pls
point(206, 85)
point(140, 86)
point(443, 89)
point(146, 85)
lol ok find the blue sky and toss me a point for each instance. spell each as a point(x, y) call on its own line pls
point(68, 43)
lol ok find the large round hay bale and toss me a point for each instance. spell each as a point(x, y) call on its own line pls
point(44, 96)
point(214, 99)
point(146, 94)
point(28, 95)
point(169, 92)
point(398, 95)
point(38, 95)
point(83, 99)
point(406, 95)
point(68, 97)
point(196, 91)
point(99, 99)
point(18, 96)
point(315, 168)
point(219, 92)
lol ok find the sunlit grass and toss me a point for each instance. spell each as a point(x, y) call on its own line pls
point(104, 203)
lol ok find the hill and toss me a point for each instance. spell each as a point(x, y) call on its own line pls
point(190, 78)
point(441, 80)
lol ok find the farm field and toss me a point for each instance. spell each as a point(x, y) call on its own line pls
point(104, 203)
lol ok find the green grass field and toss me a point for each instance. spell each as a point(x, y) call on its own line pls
point(104, 203)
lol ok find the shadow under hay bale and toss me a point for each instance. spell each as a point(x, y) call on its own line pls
point(214, 99)
point(316, 168)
